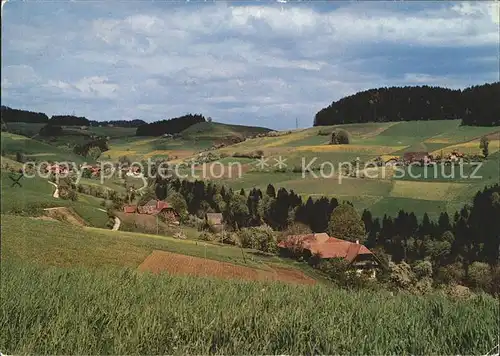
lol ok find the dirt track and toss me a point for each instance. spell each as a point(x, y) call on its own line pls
point(173, 263)
point(65, 214)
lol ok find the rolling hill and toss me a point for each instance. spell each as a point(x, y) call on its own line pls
point(382, 196)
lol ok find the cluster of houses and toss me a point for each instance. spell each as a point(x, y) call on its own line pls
point(95, 170)
point(56, 168)
point(423, 158)
point(320, 245)
point(154, 207)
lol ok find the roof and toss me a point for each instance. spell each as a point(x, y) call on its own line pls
point(325, 246)
point(215, 218)
point(160, 205)
point(336, 248)
point(129, 208)
point(415, 155)
point(152, 202)
point(303, 241)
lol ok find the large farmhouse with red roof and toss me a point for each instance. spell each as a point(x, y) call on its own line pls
point(325, 247)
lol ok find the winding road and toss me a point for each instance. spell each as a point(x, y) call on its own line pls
point(116, 225)
point(56, 192)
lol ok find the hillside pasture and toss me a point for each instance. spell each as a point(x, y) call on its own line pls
point(438, 191)
point(11, 144)
point(26, 239)
point(24, 128)
point(470, 148)
point(362, 149)
point(391, 206)
point(332, 186)
point(215, 130)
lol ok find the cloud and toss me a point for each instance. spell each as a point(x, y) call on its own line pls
point(85, 88)
point(247, 64)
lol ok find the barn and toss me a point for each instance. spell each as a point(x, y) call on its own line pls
point(323, 246)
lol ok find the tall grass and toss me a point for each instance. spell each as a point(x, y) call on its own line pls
point(77, 311)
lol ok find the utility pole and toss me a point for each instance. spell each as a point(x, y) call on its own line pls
point(296, 122)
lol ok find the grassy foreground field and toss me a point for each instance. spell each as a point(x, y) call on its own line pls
point(77, 291)
point(77, 311)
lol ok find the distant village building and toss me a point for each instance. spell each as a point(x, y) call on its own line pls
point(154, 207)
point(392, 162)
point(416, 156)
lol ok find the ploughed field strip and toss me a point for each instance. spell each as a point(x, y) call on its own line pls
point(161, 261)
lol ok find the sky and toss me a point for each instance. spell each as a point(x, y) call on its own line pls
point(257, 62)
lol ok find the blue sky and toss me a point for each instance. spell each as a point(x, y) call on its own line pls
point(256, 63)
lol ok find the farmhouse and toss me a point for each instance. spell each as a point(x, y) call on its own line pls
point(215, 220)
point(153, 207)
point(392, 162)
point(416, 156)
point(326, 247)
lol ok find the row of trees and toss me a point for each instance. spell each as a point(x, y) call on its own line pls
point(473, 234)
point(171, 126)
point(15, 115)
point(477, 105)
point(118, 123)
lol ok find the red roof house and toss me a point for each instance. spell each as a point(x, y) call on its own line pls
point(325, 247)
point(129, 209)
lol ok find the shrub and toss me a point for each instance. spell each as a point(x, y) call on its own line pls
point(207, 236)
point(297, 228)
point(251, 155)
point(450, 274)
point(423, 286)
point(479, 276)
point(483, 145)
point(178, 203)
point(324, 132)
point(94, 152)
point(21, 157)
point(401, 275)
point(423, 269)
point(345, 223)
point(261, 238)
point(340, 137)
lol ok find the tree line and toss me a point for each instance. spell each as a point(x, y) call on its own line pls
point(472, 234)
point(16, 115)
point(476, 105)
point(171, 126)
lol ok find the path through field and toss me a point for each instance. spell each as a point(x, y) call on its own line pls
point(116, 226)
point(56, 192)
point(159, 261)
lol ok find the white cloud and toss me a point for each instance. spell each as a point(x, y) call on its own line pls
point(235, 63)
point(88, 87)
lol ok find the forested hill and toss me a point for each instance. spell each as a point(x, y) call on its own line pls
point(171, 126)
point(477, 105)
point(15, 115)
